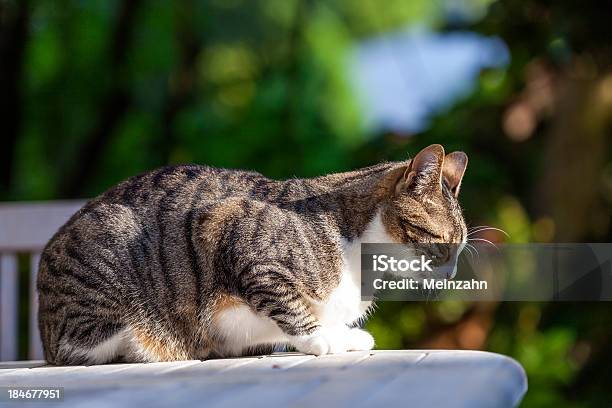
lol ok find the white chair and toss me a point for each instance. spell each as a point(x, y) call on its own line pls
point(25, 228)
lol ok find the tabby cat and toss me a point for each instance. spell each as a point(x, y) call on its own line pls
point(191, 262)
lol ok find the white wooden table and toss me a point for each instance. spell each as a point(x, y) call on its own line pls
point(419, 378)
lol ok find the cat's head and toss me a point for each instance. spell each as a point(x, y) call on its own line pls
point(423, 206)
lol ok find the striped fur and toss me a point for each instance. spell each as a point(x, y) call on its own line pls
point(190, 262)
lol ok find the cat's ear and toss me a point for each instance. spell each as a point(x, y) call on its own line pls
point(453, 170)
point(425, 170)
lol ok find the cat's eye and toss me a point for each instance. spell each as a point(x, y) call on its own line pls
point(408, 225)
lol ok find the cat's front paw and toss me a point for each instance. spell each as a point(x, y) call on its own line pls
point(325, 340)
point(334, 340)
point(359, 339)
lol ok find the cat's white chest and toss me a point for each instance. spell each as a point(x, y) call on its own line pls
point(344, 305)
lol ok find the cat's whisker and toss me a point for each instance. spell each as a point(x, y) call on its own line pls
point(486, 228)
point(471, 230)
point(467, 244)
point(469, 250)
point(485, 240)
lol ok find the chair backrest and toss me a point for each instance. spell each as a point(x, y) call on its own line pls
point(25, 228)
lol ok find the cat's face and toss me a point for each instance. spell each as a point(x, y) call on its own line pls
point(424, 210)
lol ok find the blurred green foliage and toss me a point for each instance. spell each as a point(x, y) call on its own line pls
point(97, 91)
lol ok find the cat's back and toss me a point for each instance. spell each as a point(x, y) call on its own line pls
point(164, 193)
point(174, 186)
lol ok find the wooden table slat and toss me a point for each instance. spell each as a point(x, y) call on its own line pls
point(418, 378)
